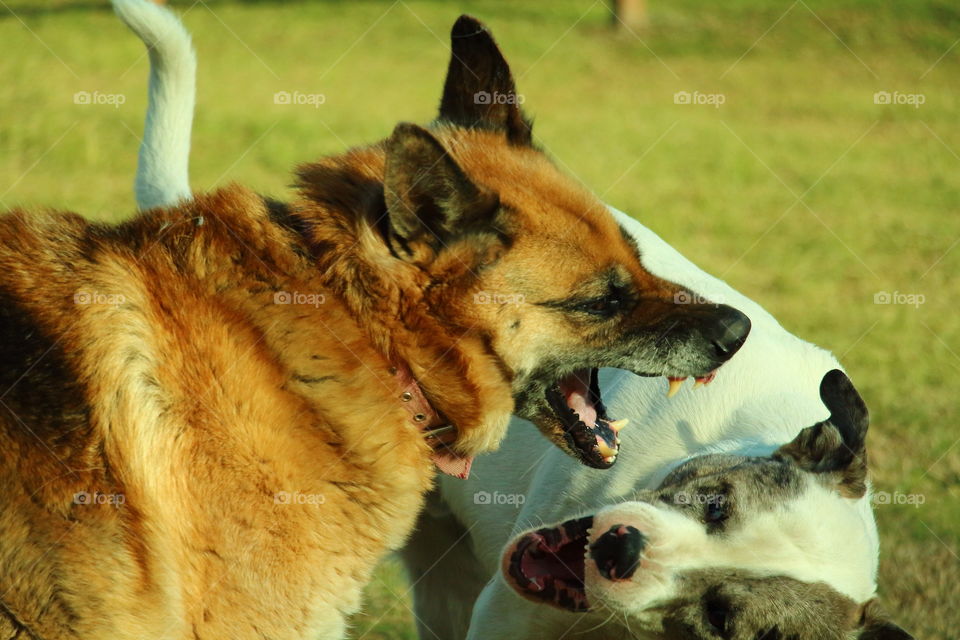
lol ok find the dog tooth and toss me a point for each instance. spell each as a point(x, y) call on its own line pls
point(605, 449)
point(675, 384)
point(699, 383)
point(617, 425)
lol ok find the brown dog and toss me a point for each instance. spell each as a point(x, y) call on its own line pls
point(215, 419)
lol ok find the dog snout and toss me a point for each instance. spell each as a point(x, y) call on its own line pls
point(617, 552)
point(726, 331)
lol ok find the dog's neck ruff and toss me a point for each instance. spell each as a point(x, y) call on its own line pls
point(437, 431)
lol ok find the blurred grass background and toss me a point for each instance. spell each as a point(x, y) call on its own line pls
point(799, 190)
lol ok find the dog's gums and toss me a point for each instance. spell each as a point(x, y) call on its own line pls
point(699, 381)
point(577, 403)
point(548, 564)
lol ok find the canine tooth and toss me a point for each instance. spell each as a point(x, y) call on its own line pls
point(675, 384)
point(699, 383)
point(617, 425)
point(605, 449)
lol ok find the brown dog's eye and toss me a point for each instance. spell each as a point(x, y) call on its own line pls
point(606, 306)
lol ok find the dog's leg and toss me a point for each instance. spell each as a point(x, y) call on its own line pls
point(445, 588)
point(162, 168)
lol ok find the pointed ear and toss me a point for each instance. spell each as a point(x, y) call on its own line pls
point(876, 626)
point(430, 200)
point(838, 444)
point(479, 91)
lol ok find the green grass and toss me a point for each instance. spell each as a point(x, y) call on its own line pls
point(880, 194)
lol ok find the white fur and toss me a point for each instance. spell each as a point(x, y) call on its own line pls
point(760, 400)
point(163, 165)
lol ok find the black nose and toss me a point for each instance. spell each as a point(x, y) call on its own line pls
point(617, 552)
point(727, 332)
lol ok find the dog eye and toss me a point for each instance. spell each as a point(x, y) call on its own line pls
point(606, 306)
point(718, 617)
point(716, 510)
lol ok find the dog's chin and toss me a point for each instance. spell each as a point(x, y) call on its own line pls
point(570, 413)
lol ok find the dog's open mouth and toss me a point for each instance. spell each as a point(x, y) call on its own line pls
point(548, 564)
point(576, 401)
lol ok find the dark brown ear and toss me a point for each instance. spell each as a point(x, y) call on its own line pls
point(479, 91)
point(876, 626)
point(838, 444)
point(430, 200)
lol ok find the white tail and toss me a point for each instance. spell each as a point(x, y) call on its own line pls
point(163, 165)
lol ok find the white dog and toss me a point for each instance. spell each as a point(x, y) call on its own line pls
point(736, 511)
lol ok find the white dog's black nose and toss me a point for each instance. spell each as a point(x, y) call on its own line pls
point(617, 552)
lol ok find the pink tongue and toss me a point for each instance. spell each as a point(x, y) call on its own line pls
point(576, 390)
point(452, 464)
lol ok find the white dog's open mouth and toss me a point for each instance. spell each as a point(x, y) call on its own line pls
point(547, 565)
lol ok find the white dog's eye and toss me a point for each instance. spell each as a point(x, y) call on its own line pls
point(716, 510)
point(718, 616)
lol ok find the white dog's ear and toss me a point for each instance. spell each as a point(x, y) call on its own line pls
point(876, 626)
point(837, 445)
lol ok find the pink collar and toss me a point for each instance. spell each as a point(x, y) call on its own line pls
point(436, 430)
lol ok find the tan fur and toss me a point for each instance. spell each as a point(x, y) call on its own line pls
point(182, 387)
point(152, 367)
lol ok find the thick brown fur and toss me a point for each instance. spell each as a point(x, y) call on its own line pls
point(149, 361)
point(201, 432)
